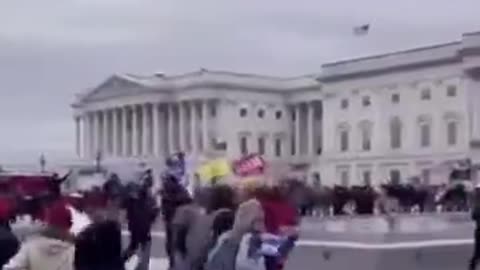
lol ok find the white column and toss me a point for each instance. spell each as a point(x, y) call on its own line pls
point(86, 136)
point(310, 132)
point(156, 130)
point(115, 133)
point(193, 127)
point(145, 131)
point(96, 133)
point(135, 143)
point(170, 128)
point(77, 135)
point(181, 126)
point(105, 137)
point(125, 141)
point(297, 130)
point(205, 141)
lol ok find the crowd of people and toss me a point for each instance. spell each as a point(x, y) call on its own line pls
point(216, 227)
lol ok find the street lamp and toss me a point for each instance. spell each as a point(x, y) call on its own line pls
point(43, 163)
point(98, 161)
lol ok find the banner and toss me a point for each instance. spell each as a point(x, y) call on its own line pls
point(249, 165)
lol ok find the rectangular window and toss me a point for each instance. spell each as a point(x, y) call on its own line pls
point(452, 133)
point(244, 145)
point(395, 98)
point(344, 103)
point(344, 178)
point(425, 135)
point(451, 91)
point(426, 94)
point(261, 146)
point(213, 111)
point(367, 175)
point(395, 177)
point(426, 176)
point(366, 140)
point(366, 101)
point(344, 141)
point(278, 147)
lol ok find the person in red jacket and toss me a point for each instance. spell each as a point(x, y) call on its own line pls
point(281, 218)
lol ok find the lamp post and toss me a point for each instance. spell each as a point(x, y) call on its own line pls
point(98, 161)
point(43, 163)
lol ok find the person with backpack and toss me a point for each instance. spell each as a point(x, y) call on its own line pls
point(196, 229)
point(249, 223)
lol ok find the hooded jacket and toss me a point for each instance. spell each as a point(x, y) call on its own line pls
point(49, 251)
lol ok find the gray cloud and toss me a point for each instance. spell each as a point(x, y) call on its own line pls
point(51, 49)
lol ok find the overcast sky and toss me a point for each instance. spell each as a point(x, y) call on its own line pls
point(51, 49)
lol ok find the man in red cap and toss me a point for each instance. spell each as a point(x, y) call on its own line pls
point(53, 248)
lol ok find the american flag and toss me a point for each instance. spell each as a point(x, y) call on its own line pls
point(249, 165)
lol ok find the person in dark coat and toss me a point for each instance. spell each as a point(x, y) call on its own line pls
point(99, 246)
point(141, 212)
point(173, 196)
point(9, 243)
point(476, 219)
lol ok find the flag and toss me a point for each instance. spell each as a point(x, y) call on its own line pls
point(176, 165)
point(214, 169)
point(361, 30)
point(249, 165)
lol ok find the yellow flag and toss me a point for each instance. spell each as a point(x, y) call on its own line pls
point(214, 168)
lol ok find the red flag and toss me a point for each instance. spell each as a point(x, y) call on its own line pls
point(249, 165)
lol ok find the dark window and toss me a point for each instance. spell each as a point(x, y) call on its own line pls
point(294, 116)
point(451, 91)
point(395, 133)
point(261, 113)
point(426, 176)
point(367, 175)
point(278, 147)
point(425, 135)
point(395, 98)
point(426, 94)
point(344, 140)
point(243, 112)
point(213, 111)
point(366, 101)
point(395, 177)
point(278, 114)
point(452, 128)
point(344, 103)
point(344, 178)
point(244, 145)
point(261, 146)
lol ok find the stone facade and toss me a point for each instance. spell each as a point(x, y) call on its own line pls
point(389, 116)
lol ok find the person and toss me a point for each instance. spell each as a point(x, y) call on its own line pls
point(196, 230)
point(141, 212)
point(173, 196)
point(52, 249)
point(281, 218)
point(476, 219)
point(99, 245)
point(8, 241)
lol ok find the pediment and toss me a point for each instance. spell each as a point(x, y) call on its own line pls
point(113, 86)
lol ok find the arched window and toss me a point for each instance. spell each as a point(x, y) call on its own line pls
point(425, 133)
point(366, 128)
point(343, 133)
point(395, 133)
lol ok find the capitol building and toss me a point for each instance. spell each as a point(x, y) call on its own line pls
point(390, 116)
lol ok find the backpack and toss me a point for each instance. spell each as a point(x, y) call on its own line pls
point(10, 246)
point(223, 255)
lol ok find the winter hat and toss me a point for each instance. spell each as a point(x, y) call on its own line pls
point(57, 215)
